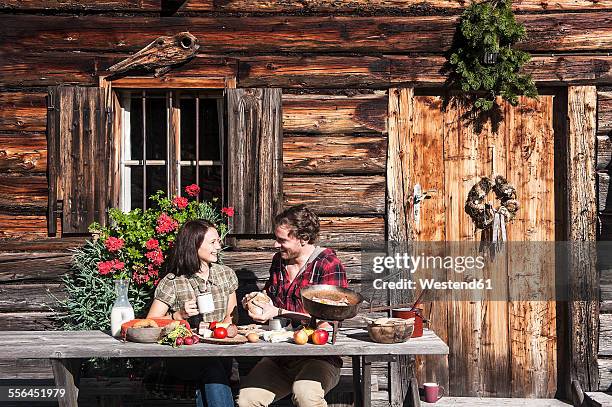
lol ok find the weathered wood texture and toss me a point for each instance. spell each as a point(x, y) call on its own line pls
point(400, 116)
point(496, 348)
point(346, 232)
point(321, 114)
point(302, 7)
point(317, 71)
point(23, 195)
point(373, 6)
point(83, 166)
point(78, 344)
point(582, 221)
point(255, 136)
point(385, 71)
point(545, 33)
point(337, 195)
point(30, 297)
point(347, 154)
point(24, 154)
point(21, 111)
point(87, 5)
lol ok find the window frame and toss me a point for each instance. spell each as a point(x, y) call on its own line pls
point(208, 86)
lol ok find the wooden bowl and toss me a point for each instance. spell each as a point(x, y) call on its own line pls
point(394, 332)
point(143, 335)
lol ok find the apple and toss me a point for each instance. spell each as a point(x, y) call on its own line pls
point(319, 337)
point(300, 337)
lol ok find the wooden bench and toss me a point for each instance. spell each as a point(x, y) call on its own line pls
point(66, 350)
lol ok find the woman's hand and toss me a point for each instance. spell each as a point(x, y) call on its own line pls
point(189, 309)
point(269, 312)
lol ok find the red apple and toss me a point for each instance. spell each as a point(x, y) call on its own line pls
point(319, 337)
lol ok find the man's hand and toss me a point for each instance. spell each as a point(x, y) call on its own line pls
point(269, 312)
point(248, 298)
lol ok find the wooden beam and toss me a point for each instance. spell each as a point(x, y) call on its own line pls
point(323, 114)
point(133, 6)
point(375, 6)
point(23, 153)
point(374, 35)
point(349, 154)
point(333, 197)
point(400, 115)
point(582, 220)
point(23, 195)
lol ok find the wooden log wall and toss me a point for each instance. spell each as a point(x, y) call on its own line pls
point(603, 167)
point(334, 58)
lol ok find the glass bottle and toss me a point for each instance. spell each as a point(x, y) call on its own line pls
point(122, 310)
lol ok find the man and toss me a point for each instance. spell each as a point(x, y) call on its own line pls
point(298, 263)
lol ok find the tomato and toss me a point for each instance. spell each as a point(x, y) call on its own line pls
point(212, 325)
point(188, 340)
point(220, 333)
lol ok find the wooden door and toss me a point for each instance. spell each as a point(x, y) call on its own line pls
point(497, 348)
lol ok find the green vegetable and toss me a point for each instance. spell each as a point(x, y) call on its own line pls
point(180, 331)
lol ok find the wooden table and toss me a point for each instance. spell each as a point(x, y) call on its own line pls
point(66, 350)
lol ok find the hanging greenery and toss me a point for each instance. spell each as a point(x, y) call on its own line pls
point(482, 59)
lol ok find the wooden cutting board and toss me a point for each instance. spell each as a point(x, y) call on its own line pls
point(236, 340)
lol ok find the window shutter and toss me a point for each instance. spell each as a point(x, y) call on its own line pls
point(254, 158)
point(83, 163)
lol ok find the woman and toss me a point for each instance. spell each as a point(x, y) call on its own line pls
point(192, 270)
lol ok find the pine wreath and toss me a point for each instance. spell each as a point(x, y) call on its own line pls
point(482, 212)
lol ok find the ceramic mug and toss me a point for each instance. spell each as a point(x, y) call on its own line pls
point(205, 303)
point(278, 323)
point(433, 392)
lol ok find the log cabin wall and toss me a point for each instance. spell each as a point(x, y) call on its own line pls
point(334, 60)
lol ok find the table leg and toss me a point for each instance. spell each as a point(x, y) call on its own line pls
point(357, 381)
point(366, 382)
point(67, 376)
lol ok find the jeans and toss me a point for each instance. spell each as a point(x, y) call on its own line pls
point(215, 390)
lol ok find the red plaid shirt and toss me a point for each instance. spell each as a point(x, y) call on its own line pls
point(326, 268)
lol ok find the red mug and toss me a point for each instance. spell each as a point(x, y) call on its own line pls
point(407, 313)
point(433, 392)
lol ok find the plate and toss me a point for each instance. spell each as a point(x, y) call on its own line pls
point(236, 340)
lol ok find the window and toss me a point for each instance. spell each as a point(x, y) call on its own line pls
point(170, 139)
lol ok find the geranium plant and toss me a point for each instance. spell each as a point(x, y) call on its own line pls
point(134, 246)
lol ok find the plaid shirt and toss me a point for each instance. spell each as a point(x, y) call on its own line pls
point(325, 268)
point(174, 290)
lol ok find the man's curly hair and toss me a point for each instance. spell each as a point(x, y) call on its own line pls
point(302, 222)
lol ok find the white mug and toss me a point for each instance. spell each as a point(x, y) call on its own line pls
point(205, 303)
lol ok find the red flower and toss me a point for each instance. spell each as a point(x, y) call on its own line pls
point(156, 282)
point(105, 267)
point(192, 190)
point(156, 257)
point(165, 224)
point(118, 265)
point(152, 271)
point(180, 202)
point(152, 244)
point(140, 278)
point(114, 244)
point(229, 211)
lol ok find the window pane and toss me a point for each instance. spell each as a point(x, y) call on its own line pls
point(210, 181)
point(156, 129)
point(157, 179)
point(136, 128)
point(136, 187)
point(209, 130)
point(188, 121)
